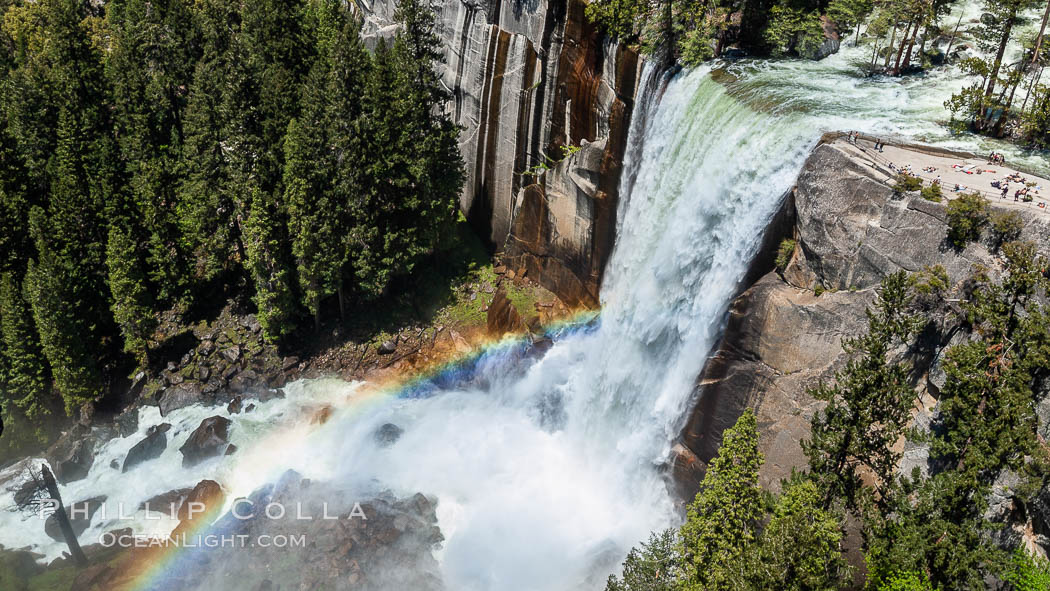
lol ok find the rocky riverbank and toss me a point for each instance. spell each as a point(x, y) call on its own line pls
point(227, 363)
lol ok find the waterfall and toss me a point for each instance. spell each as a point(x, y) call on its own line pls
point(545, 475)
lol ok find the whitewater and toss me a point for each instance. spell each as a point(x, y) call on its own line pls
point(546, 474)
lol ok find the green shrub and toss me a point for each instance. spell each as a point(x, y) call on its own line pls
point(1006, 226)
point(931, 281)
point(966, 216)
point(931, 193)
point(818, 290)
point(1027, 573)
point(784, 252)
point(908, 581)
point(906, 182)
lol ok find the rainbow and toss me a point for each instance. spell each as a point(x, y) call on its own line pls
point(162, 567)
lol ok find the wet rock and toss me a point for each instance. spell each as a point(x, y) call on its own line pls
point(180, 396)
point(387, 347)
point(249, 408)
point(154, 444)
point(206, 348)
point(167, 503)
point(137, 383)
point(231, 354)
point(251, 323)
point(79, 513)
point(322, 415)
point(230, 371)
point(503, 317)
point(243, 381)
point(200, 505)
point(127, 422)
point(270, 394)
point(686, 471)
point(289, 362)
point(234, 406)
point(388, 434)
point(72, 455)
point(209, 439)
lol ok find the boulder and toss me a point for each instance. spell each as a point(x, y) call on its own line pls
point(388, 434)
point(243, 381)
point(831, 41)
point(209, 439)
point(167, 503)
point(80, 514)
point(200, 506)
point(269, 394)
point(127, 422)
point(206, 348)
point(234, 406)
point(321, 415)
point(72, 456)
point(503, 317)
point(231, 354)
point(154, 444)
point(387, 347)
point(180, 396)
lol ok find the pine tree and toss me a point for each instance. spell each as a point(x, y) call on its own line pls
point(655, 566)
point(414, 172)
point(276, 54)
point(313, 218)
point(800, 548)
point(265, 240)
point(210, 208)
point(377, 244)
point(345, 122)
point(322, 180)
point(986, 423)
point(723, 518)
point(149, 66)
point(433, 138)
point(868, 405)
point(66, 335)
point(132, 305)
point(26, 382)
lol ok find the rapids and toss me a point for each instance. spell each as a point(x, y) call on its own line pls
point(547, 471)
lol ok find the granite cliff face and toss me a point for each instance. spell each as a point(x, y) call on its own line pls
point(782, 338)
point(529, 77)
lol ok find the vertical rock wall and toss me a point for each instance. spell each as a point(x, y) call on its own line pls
point(528, 77)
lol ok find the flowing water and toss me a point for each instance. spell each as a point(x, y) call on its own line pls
point(545, 475)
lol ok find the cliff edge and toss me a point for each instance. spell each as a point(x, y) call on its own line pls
point(785, 330)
